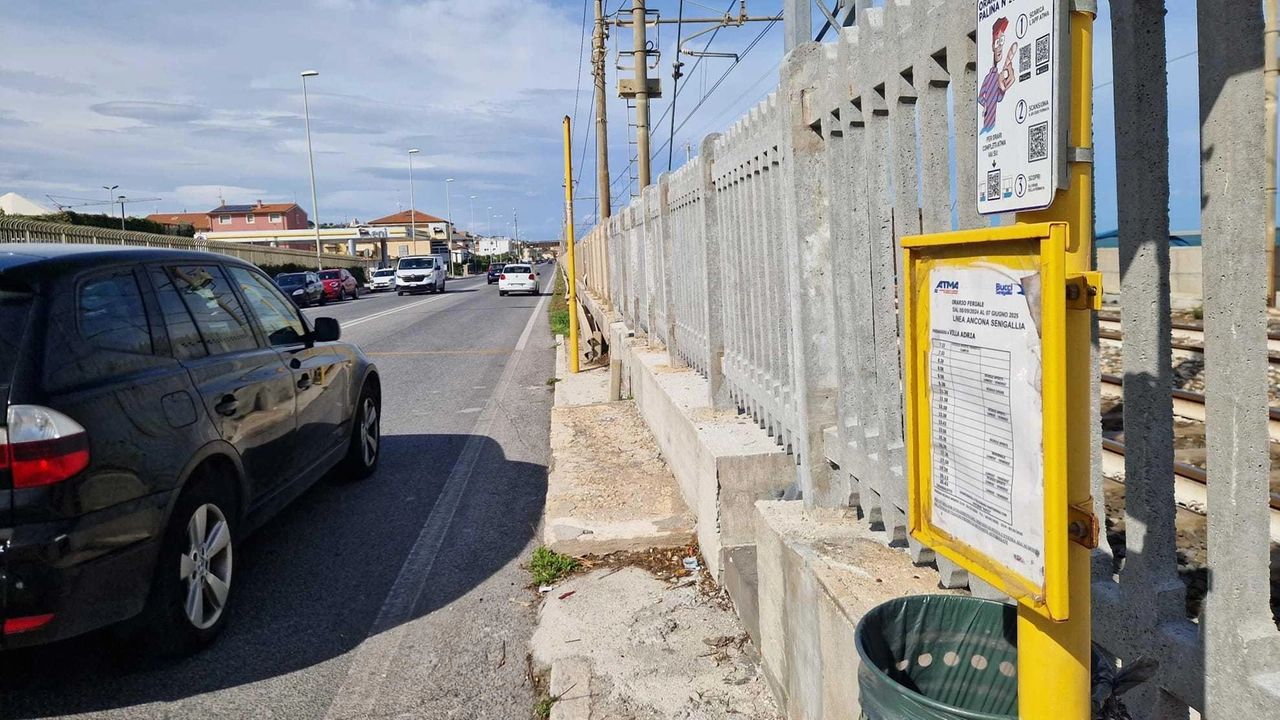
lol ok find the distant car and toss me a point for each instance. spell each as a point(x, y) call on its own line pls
point(339, 284)
point(155, 407)
point(304, 288)
point(495, 269)
point(420, 273)
point(382, 279)
point(517, 278)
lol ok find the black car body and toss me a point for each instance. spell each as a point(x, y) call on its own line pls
point(142, 389)
point(304, 288)
point(495, 269)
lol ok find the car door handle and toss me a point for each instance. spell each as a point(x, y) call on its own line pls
point(228, 406)
point(304, 382)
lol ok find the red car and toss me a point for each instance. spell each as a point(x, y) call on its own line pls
point(339, 285)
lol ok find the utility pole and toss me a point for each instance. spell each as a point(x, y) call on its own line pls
point(1270, 73)
point(641, 58)
point(598, 53)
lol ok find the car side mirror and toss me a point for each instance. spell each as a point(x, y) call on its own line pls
point(326, 329)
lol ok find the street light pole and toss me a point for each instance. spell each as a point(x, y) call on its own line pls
point(121, 200)
point(472, 229)
point(311, 163)
point(413, 212)
point(110, 201)
point(448, 207)
point(488, 222)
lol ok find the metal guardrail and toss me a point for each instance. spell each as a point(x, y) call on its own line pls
point(12, 230)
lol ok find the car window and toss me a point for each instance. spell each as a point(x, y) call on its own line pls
point(514, 269)
point(417, 263)
point(208, 296)
point(15, 307)
point(291, 278)
point(280, 321)
point(184, 338)
point(111, 316)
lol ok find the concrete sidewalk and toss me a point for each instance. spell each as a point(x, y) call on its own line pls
point(608, 488)
point(620, 642)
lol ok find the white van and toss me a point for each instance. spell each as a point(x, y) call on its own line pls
point(420, 273)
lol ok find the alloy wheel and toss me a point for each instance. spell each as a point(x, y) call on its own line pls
point(369, 432)
point(205, 567)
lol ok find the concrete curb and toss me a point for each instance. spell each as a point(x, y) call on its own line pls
point(571, 682)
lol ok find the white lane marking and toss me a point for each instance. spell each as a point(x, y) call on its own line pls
point(368, 670)
point(470, 410)
point(396, 309)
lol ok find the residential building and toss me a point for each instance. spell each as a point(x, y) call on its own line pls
point(421, 233)
point(174, 221)
point(262, 216)
point(14, 204)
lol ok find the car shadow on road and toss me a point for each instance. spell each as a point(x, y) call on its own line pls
point(308, 586)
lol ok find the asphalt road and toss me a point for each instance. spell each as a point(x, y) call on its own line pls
point(398, 596)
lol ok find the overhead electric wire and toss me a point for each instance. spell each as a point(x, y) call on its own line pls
point(717, 83)
point(675, 80)
point(676, 91)
point(582, 43)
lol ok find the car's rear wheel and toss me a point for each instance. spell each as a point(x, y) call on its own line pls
point(366, 434)
point(191, 590)
point(323, 299)
point(357, 293)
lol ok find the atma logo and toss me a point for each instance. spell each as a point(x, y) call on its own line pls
point(947, 287)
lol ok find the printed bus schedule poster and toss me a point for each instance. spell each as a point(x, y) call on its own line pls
point(1018, 140)
point(986, 414)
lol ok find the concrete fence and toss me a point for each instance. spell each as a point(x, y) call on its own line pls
point(13, 231)
point(769, 264)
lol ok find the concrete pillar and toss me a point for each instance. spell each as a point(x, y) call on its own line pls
point(797, 23)
point(807, 238)
point(1149, 581)
point(713, 277)
point(1240, 639)
point(669, 259)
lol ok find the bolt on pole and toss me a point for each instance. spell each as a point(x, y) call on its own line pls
point(571, 293)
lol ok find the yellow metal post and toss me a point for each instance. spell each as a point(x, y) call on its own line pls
point(1053, 658)
point(571, 293)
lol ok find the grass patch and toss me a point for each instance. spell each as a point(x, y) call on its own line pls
point(548, 566)
point(542, 710)
point(558, 311)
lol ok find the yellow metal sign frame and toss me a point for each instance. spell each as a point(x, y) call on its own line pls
point(1040, 248)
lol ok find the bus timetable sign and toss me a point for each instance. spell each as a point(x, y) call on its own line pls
point(1020, 104)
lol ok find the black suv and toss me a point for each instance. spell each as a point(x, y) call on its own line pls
point(155, 407)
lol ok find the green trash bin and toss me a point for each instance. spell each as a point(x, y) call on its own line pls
point(938, 657)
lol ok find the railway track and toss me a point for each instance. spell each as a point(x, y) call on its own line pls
point(1188, 337)
point(1191, 485)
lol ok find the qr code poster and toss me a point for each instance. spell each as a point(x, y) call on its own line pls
point(1018, 110)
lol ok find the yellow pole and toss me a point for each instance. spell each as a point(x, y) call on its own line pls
point(572, 292)
point(1053, 658)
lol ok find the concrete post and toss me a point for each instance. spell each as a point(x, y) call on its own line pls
point(1240, 639)
point(667, 263)
point(807, 237)
point(797, 23)
point(713, 278)
point(1149, 581)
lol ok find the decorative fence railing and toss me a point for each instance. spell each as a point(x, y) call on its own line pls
point(36, 231)
point(770, 263)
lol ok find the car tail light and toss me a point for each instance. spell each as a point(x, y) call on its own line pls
point(16, 625)
point(533, 277)
point(40, 446)
point(502, 276)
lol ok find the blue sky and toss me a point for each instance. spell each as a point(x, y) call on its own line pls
point(190, 101)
